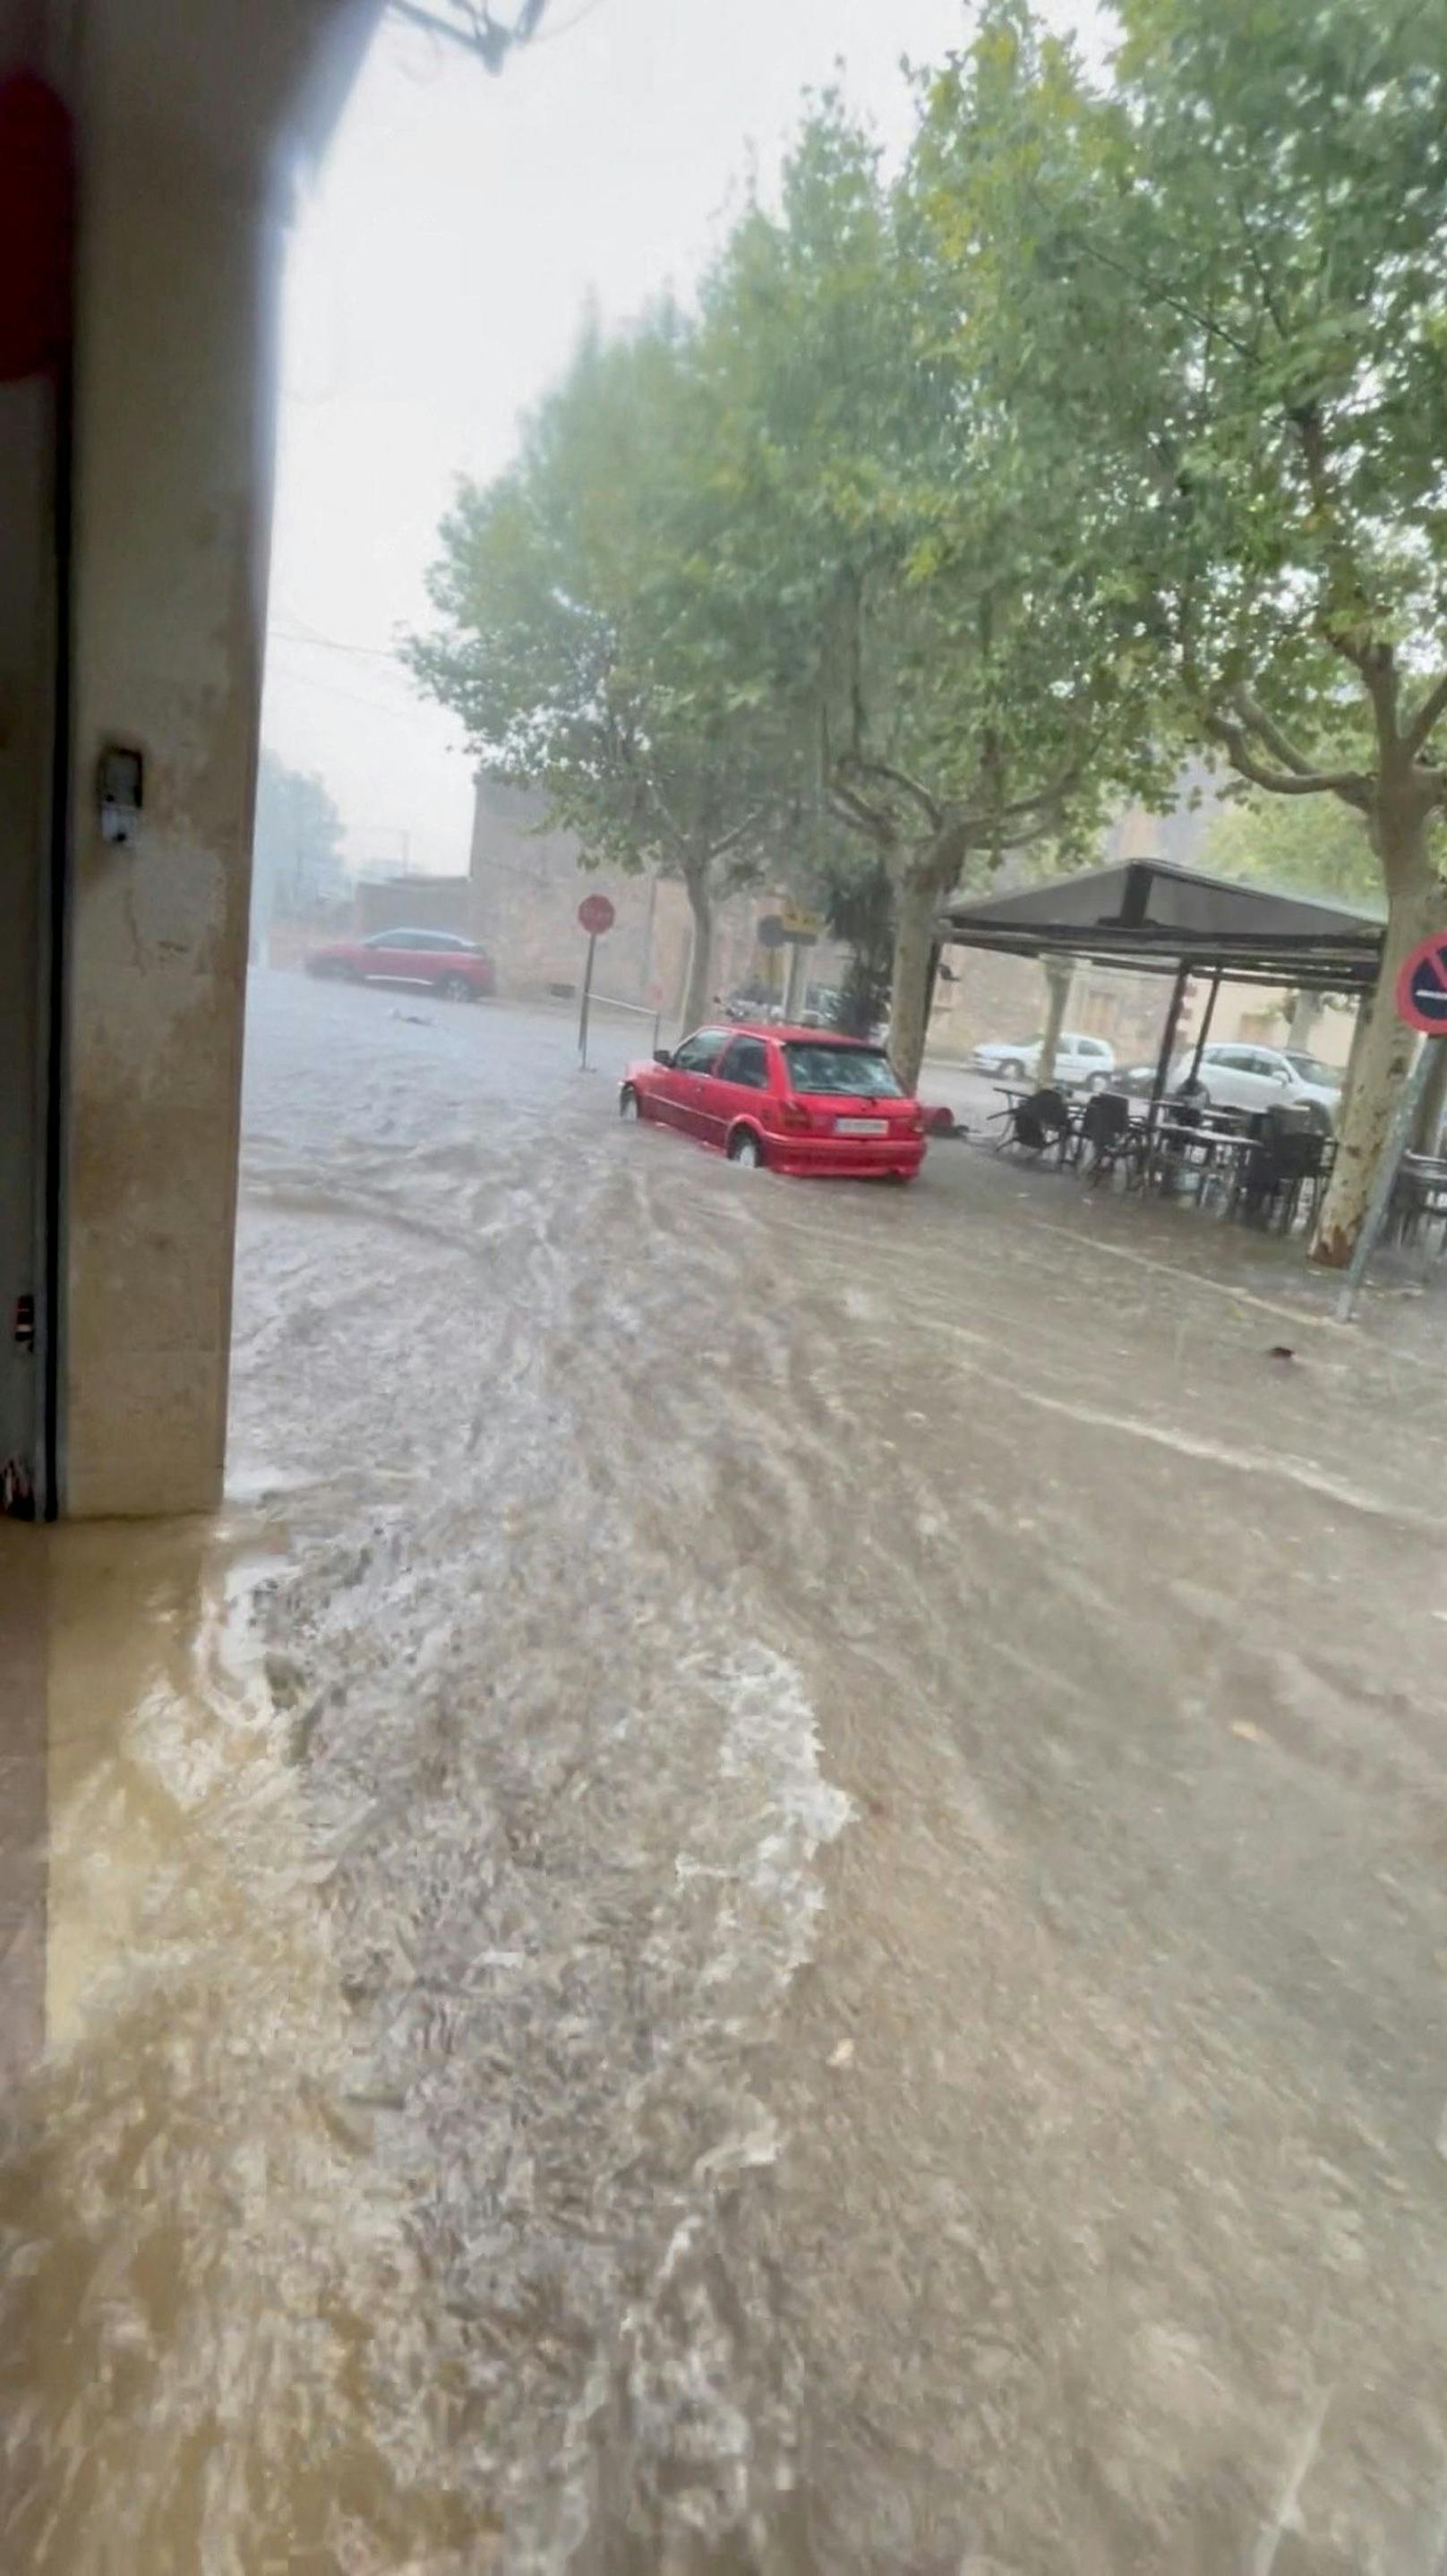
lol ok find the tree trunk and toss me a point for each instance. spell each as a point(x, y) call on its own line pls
point(1416, 905)
point(1305, 1012)
point(918, 902)
point(1432, 1108)
point(1059, 973)
point(1360, 1025)
point(699, 989)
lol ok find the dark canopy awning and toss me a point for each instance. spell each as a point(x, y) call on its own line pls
point(1161, 920)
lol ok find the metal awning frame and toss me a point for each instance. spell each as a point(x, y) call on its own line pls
point(1340, 955)
point(1318, 966)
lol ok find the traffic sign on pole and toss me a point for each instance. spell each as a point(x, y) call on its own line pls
point(595, 915)
point(804, 926)
point(791, 929)
point(1422, 987)
point(1421, 999)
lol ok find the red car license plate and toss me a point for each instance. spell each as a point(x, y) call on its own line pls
point(859, 1126)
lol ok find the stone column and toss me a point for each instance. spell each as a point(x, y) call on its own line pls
point(177, 269)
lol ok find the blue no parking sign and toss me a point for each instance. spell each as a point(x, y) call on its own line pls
point(1422, 987)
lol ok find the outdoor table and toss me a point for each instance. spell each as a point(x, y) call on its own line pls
point(1208, 1148)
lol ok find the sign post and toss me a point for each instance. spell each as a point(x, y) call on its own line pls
point(595, 915)
point(1421, 999)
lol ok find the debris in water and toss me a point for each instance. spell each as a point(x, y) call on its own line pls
point(843, 2055)
point(1281, 1351)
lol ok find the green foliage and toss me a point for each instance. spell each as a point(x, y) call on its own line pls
point(1222, 280)
point(1304, 845)
point(296, 842)
point(573, 639)
point(906, 560)
point(852, 888)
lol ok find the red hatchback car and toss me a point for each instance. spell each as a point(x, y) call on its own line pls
point(451, 967)
point(797, 1100)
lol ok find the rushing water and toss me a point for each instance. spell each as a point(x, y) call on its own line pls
point(696, 1938)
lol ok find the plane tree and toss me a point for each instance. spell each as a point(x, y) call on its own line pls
point(572, 638)
point(895, 564)
point(1221, 276)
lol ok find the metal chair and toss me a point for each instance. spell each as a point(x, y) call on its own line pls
point(1037, 1124)
point(1173, 1160)
point(1289, 1157)
point(1052, 1110)
point(1105, 1133)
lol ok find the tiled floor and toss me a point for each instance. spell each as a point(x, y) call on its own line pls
point(23, 1575)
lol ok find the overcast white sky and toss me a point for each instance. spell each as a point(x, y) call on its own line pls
point(438, 270)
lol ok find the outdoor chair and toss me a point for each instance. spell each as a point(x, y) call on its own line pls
point(1038, 1123)
point(1287, 1160)
point(1174, 1158)
point(1419, 1201)
point(1023, 1128)
point(1106, 1136)
point(1053, 1111)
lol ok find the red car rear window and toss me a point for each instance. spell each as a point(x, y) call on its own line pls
point(864, 1072)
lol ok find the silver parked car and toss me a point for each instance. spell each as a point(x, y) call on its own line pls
point(1235, 1075)
point(1081, 1062)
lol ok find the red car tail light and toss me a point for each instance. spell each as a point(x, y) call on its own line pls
point(794, 1118)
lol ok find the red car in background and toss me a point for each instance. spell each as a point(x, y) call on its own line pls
point(794, 1100)
point(453, 968)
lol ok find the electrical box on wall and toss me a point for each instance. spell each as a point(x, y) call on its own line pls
point(122, 787)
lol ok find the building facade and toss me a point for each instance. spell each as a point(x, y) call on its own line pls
point(528, 880)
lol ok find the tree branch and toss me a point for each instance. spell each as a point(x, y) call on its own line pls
point(476, 27)
point(859, 764)
point(652, 790)
point(983, 822)
point(1378, 667)
point(1423, 717)
point(738, 832)
point(1349, 784)
point(1265, 726)
point(1051, 796)
point(1374, 658)
point(1148, 287)
point(858, 814)
point(1028, 834)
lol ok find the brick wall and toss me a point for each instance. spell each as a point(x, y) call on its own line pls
point(412, 903)
point(527, 884)
point(1004, 997)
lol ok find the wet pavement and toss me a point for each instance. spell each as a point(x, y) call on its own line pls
point(773, 1900)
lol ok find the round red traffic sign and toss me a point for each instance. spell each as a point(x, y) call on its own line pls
point(1422, 987)
point(595, 915)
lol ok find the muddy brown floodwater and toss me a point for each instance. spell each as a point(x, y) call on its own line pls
point(772, 1901)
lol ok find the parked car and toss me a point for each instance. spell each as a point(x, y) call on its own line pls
point(1083, 1061)
point(456, 969)
point(1138, 1081)
point(1234, 1075)
point(795, 1100)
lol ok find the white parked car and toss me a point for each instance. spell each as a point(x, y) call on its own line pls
point(1078, 1060)
point(1237, 1076)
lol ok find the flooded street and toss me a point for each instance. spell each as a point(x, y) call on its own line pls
point(774, 1901)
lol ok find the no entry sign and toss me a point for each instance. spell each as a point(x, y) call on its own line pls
point(1422, 987)
point(595, 915)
